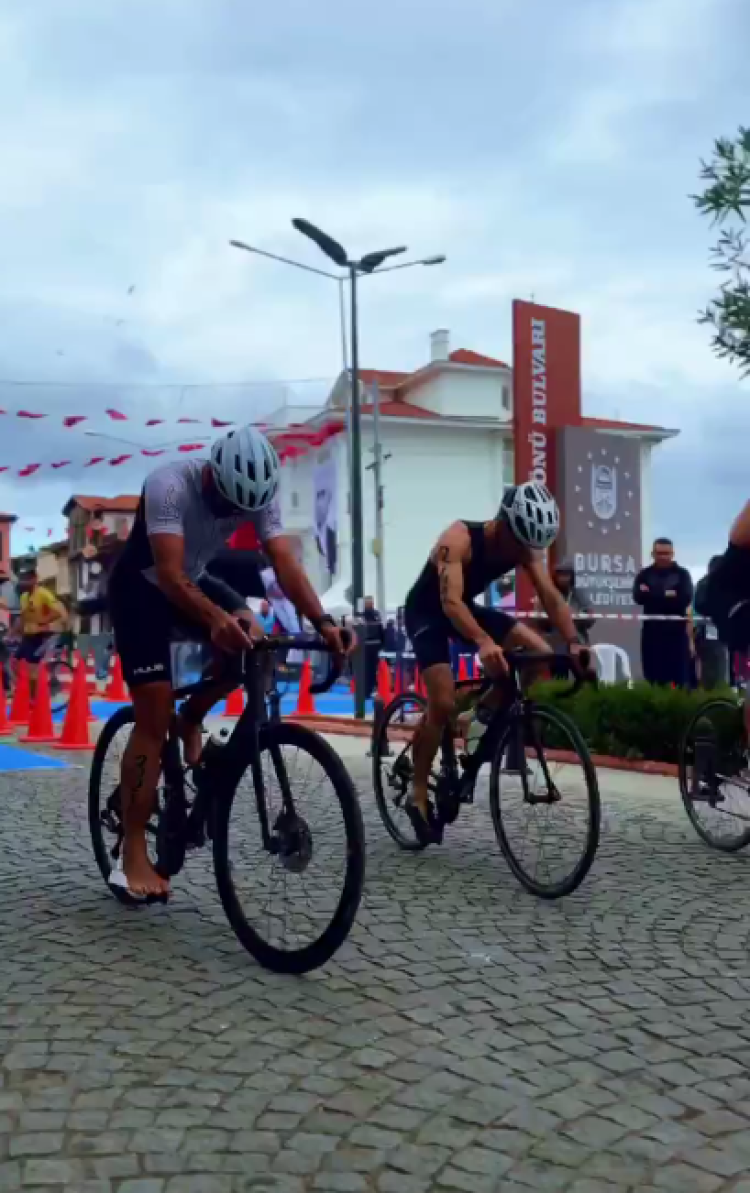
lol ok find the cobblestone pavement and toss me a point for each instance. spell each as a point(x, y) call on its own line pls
point(466, 1038)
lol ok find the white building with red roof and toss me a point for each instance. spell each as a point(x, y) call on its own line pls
point(447, 437)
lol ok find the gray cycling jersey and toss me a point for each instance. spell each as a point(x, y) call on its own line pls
point(173, 503)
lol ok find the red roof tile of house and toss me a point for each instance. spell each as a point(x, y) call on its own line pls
point(126, 504)
point(385, 377)
point(464, 356)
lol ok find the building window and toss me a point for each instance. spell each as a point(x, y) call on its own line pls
point(506, 397)
point(295, 499)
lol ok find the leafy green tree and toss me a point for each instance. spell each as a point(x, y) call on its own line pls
point(726, 201)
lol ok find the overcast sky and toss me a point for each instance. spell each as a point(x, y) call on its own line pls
point(546, 148)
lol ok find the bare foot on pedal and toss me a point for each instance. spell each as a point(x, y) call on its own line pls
point(138, 876)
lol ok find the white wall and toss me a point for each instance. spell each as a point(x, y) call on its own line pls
point(464, 392)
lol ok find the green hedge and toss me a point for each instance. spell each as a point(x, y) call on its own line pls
point(638, 722)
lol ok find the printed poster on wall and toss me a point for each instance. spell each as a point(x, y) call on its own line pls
point(326, 511)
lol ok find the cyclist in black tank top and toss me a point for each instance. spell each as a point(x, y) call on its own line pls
point(467, 558)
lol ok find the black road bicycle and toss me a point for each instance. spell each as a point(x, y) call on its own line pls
point(714, 775)
point(539, 762)
point(56, 658)
point(266, 838)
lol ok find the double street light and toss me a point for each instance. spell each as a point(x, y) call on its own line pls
point(367, 265)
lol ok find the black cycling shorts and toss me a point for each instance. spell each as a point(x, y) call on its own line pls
point(146, 624)
point(31, 648)
point(431, 634)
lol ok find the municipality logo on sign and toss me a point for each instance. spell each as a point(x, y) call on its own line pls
point(611, 492)
point(604, 490)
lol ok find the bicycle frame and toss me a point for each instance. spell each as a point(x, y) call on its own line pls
point(243, 742)
point(462, 784)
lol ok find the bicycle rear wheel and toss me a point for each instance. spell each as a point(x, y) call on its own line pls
point(713, 776)
point(558, 777)
point(318, 858)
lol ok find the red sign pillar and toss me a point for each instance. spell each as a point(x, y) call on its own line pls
point(546, 396)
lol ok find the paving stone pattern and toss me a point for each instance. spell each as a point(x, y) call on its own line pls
point(467, 1037)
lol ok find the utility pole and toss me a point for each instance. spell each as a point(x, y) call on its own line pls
point(377, 471)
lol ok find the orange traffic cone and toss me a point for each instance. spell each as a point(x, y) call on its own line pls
point(385, 692)
point(235, 704)
point(20, 708)
point(305, 702)
point(463, 670)
point(476, 672)
point(41, 728)
point(5, 728)
point(91, 684)
point(116, 690)
point(75, 733)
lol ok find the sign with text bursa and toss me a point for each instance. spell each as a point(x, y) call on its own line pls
point(599, 491)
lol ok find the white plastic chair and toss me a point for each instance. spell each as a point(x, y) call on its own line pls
point(607, 656)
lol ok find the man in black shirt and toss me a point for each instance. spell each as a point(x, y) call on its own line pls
point(373, 643)
point(665, 588)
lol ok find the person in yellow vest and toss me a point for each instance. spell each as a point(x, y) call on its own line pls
point(42, 616)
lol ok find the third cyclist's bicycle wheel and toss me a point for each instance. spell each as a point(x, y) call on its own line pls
point(544, 800)
point(713, 776)
point(292, 906)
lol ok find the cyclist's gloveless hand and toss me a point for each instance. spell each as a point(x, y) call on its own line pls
point(250, 624)
point(227, 634)
point(333, 636)
point(492, 659)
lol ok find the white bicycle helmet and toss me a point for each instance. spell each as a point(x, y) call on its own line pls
point(246, 468)
point(531, 512)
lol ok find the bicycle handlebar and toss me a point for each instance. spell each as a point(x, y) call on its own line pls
point(309, 642)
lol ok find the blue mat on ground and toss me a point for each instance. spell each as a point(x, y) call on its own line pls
point(14, 758)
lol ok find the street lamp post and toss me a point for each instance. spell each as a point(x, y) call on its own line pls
point(369, 264)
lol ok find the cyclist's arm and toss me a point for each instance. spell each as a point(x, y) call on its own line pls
point(448, 556)
point(292, 578)
point(169, 555)
point(554, 605)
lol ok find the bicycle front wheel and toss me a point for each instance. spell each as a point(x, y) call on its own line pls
point(544, 800)
point(713, 776)
point(291, 907)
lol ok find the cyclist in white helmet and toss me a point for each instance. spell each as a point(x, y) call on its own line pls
point(161, 589)
point(441, 606)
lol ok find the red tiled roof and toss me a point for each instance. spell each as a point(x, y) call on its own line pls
point(126, 504)
point(464, 356)
point(385, 377)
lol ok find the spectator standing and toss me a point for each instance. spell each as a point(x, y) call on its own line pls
point(374, 635)
point(266, 617)
point(665, 588)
